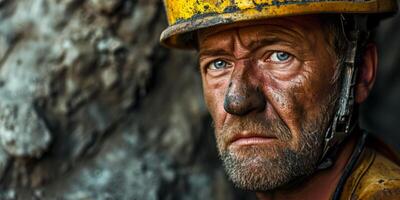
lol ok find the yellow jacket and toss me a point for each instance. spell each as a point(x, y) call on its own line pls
point(374, 177)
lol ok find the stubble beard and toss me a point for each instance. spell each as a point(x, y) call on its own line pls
point(261, 168)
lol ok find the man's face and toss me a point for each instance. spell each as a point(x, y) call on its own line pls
point(270, 90)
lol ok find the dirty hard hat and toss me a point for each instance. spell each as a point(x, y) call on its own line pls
point(186, 16)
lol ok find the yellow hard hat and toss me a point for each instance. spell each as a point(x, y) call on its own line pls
point(185, 16)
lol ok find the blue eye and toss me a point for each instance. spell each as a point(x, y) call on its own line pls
point(218, 64)
point(280, 56)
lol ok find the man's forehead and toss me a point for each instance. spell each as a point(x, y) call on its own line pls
point(290, 26)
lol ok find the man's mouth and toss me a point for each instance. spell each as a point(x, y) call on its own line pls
point(251, 139)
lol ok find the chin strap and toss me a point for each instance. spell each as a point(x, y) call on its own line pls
point(343, 121)
point(351, 164)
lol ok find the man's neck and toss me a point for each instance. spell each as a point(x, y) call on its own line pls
point(321, 185)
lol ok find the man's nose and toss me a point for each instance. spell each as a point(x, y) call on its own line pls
point(243, 96)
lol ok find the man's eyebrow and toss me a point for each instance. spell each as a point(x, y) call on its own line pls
point(252, 46)
point(255, 44)
point(213, 52)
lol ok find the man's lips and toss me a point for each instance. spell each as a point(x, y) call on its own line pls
point(252, 139)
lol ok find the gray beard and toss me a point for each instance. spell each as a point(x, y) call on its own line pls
point(258, 173)
point(261, 174)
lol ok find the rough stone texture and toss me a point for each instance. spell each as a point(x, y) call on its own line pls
point(92, 107)
point(22, 132)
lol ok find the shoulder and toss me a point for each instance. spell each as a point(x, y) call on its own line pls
point(375, 177)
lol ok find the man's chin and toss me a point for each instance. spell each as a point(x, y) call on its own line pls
point(264, 171)
point(255, 152)
point(252, 174)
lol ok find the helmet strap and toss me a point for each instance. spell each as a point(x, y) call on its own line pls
point(355, 29)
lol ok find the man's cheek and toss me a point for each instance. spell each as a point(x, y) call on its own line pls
point(218, 114)
point(289, 108)
point(214, 103)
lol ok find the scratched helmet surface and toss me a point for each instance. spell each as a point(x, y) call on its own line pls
point(186, 16)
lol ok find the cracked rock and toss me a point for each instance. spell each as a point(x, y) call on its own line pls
point(105, 6)
point(22, 132)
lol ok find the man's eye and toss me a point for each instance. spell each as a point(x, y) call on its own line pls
point(218, 64)
point(280, 56)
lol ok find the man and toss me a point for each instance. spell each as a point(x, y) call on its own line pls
point(282, 81)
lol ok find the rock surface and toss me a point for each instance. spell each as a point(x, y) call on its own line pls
point(92, 107)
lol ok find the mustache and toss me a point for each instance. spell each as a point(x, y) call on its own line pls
point(257, 126)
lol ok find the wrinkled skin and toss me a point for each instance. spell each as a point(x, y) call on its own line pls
point(270, 90)
point(270, 87)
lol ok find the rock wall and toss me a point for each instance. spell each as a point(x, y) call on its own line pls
point(92, 107)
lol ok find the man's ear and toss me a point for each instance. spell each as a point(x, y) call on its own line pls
point(366, 73)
